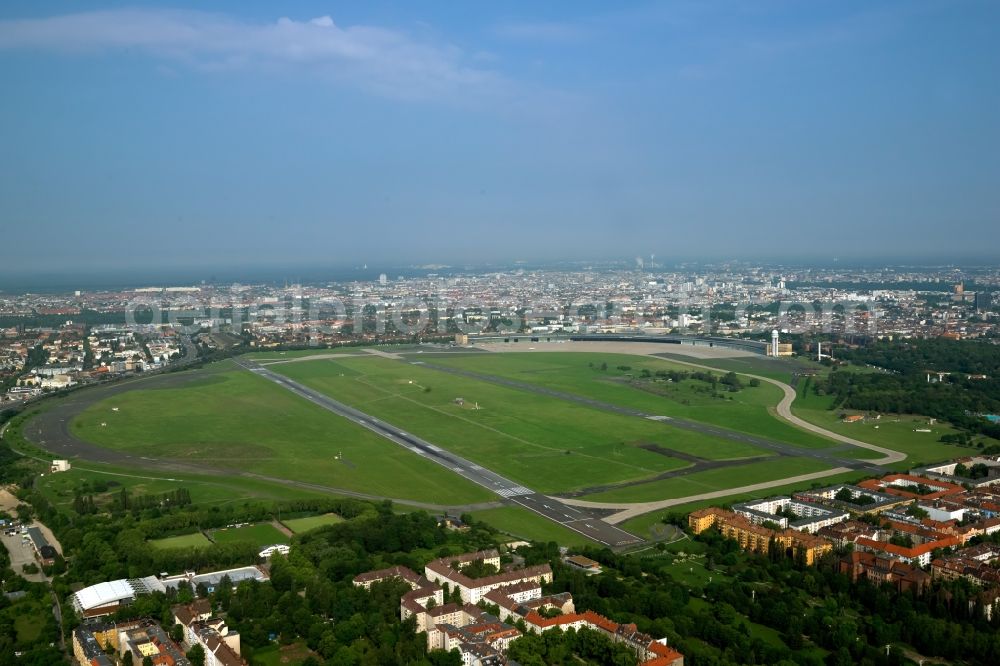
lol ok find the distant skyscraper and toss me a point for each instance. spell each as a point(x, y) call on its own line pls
point(383, 279)
point(984, 301)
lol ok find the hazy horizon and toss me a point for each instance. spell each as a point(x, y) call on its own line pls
point(333, 134)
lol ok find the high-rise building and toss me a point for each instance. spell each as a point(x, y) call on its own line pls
point(984, 301)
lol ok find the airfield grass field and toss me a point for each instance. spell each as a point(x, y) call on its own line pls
point(899, 432)
point(194, 540)
point(529, 526)
point(302, 353)
point(260, 534)
point(546, 443)
point(60, 489)
point(228, 418)
point(300, 525)
point(749, 410)
point(232, 419)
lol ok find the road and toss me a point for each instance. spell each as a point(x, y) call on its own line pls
point(574, 518)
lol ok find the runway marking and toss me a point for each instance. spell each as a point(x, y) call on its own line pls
point(517, 491)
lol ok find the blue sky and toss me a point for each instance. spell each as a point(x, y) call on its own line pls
point(236, 133)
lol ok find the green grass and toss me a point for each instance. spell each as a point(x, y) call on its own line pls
point(529, 526)
point(231, 418)
point(750, 410)
point(711, 480)
point(781, 369)
point(892, 431)
point(261, 534)
point(690, 570)
point(300, 353)
point(59, 489)
point(195, 540)
point(548, 444)
point(299, 525)
point(280, 655)
point(28, 626)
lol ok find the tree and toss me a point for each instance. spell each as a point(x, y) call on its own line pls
point(196, 655)
point(147, 661)
point(177, 633)
point(127, 659)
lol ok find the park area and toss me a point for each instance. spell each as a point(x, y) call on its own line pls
point(193, 540)
point(560, 423)
point(260, 534)
point(300, 525)
point(229, 419)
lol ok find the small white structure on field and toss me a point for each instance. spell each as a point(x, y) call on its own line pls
point(59, 466)
point(279, 548)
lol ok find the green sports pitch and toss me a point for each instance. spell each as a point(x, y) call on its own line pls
point(260, 534)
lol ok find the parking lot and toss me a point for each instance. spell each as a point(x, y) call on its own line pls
point(21, 553)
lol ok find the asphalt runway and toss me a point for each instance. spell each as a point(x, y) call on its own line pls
point(579, 520)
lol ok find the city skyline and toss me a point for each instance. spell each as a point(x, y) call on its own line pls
point(327, 134)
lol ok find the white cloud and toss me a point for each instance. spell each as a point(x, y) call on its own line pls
point(386, 61)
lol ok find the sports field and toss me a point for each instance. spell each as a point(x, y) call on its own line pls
point(230, 418)
point(261, 534)
point(299, 525)
point(548, 444)
point(617, 379)
point(194, 540)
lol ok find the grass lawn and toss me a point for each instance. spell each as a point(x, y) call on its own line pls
point(749, 410)
point(261, 534)
point(713, 479)
point(231, 418)
point(549, 444)
point(642, 525)
point(893, 431)
point(195, 540)
point(300, 353)
point(690, 570)
point(781, 369)
point(280, 655)
point(28, 625)
point(299, 525)
point(524, 524)
point(59, 488)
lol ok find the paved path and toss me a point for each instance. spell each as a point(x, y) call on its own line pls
point(631, 510)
